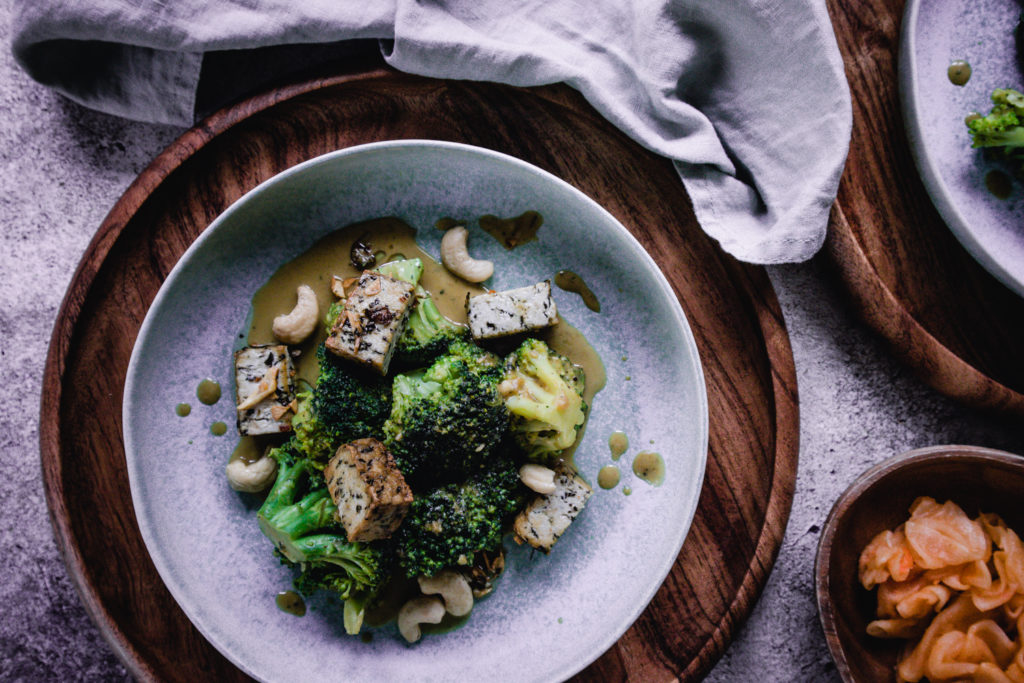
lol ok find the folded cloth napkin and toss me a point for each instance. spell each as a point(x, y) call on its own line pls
point(748, 97)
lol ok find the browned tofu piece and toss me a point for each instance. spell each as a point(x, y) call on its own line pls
point(374, 316)
point(369, 490)
point(546, 518)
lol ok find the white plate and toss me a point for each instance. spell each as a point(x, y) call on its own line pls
point(935, 33)
point(550, 616)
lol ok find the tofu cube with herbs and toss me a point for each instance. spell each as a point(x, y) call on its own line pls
point(265, 389)
point(499, 314)
point(369, 490)
point(542, 522)
point(375, 313)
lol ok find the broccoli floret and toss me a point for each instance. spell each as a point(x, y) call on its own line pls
point(347, 403)
point(544, 393)
point(449, 525)
point(300, 518)
point(445, 421)
point(1003, 127)
point(428, 333)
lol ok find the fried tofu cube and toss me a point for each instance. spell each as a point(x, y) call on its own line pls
point(369, 490)
point(499, 314)
point(264, 389)
point(373, 318)
point(546, 518)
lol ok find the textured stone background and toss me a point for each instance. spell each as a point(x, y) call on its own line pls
point(63, 167)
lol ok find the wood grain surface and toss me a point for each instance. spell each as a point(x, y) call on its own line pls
point(909, 278)
point(732, 308)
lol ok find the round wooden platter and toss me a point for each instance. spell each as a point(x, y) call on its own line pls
point(909, 278)
point(731, 307)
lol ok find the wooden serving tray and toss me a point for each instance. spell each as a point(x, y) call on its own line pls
point(732, 308)
point(909, 278)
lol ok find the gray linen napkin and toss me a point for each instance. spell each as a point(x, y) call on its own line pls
point(748, 97)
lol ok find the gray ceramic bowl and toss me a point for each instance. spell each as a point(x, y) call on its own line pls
point(935, 33)
point(550, 616)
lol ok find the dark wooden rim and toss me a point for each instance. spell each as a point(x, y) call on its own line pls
point(907, 339)
point(823, 558)
point(82, 280)
point(769, 316)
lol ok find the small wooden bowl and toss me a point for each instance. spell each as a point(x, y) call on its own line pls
point(977, 479)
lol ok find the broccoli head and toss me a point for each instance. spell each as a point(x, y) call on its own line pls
point(347, 403)
point(300, 518)
point(1003, 127)
point(449, 525)
point(544, 393)
point(446, 420)
point(428, 333)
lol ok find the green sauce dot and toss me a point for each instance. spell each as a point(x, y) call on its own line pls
point(218, 429)
point(182, 409)
point(208, 392)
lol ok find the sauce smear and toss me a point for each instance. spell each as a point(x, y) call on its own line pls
point(291, 602)
point(512, 232)
point(571, 282)
point(999, 184)
point(618, 442)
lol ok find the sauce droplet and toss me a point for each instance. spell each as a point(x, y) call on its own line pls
point(291, 602)
point(608, 477)
point(208, 392)
point(627, 491)
point(182, 409)
point(618, 442)
point(649, 466)
point(571, 282)
point(218, 429)
point(999, 184)
point(512, 232)
point(959, 72)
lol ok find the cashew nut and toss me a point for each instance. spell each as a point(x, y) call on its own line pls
point(456, 258)
point(453, 589)
point(251, 477)
point(300, 323)
point(538, 478)
point(421, 610)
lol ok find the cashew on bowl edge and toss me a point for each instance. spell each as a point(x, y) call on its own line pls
point(453, 588)
point(422, 610)
point(251, 477)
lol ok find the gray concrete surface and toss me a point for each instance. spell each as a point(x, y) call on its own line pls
point(61, 169)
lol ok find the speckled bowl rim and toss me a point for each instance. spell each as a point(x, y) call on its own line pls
point(928, 167)
point(865, 481)
point(691, 354)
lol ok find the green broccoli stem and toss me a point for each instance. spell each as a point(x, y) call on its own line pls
point(282, 519)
